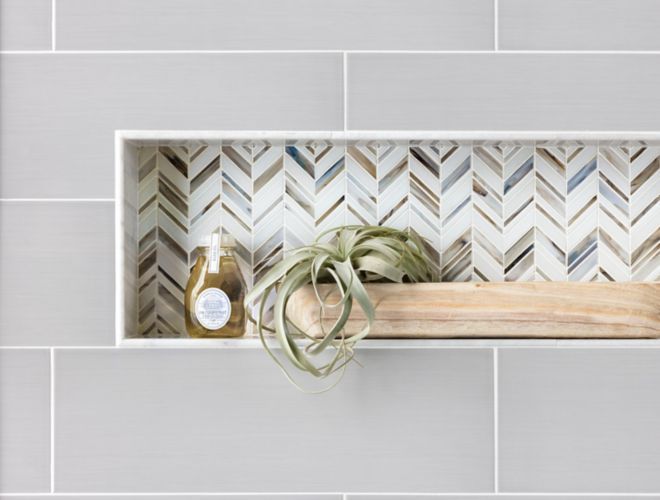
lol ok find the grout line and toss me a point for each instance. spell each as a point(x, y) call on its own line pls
point(565, 221)
point(441, 212)
point(472, 173)
point(496, 440)
point(53, 11)
point(535, 249)
point(337, 52)
point(328, 494)
point(496, 17)
point(345, 91)
point(408, 190)
point(52, 420)
point(169, 494)
point(48, 200)
point(514, 494)
point(185, 51)
point(346, 201)
point(629, 180)
point(598, 206)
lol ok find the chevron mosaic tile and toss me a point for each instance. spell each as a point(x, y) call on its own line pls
point(489, 211)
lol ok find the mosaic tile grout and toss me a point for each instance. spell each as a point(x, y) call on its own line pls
point(535, 195)
point(345, 83)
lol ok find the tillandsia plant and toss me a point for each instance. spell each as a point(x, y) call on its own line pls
point(347, 257)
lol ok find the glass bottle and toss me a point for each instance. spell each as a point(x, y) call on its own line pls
point(215, 292)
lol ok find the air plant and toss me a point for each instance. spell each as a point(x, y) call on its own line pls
point(347, 257)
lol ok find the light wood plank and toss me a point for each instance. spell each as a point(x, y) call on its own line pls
point(497, 310)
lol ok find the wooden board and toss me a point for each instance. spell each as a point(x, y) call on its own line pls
point(497, 310)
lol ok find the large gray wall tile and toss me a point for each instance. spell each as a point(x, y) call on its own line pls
point(25, 24)
point(583, 420)
point(493, 497)
point(57, 269)
point(58, 113)
point(503, 91)
point(275, 25)
point(24, 420)
point(286, 496)
point(227, 420)
point(579, 25)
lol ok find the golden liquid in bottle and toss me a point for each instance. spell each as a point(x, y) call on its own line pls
point(229, 280)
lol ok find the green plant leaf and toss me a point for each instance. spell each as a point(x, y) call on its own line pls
point(345, 257)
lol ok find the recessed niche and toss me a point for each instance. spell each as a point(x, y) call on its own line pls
point(492, 207)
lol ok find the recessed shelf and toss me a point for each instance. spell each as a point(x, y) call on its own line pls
point(494, 205)
point(255, 343)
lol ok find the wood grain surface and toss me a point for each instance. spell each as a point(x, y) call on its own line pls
point(496, 310)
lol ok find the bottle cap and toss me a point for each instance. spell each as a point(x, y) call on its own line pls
point(227, 241)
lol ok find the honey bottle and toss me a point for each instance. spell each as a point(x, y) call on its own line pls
point(215, 292)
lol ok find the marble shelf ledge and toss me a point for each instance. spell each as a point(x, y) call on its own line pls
point(254, 343)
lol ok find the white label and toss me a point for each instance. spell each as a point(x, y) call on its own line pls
point(212, 308)
point(214, 254)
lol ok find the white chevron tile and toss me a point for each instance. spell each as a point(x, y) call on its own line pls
point(268, 217)
point(456, 212)
point(614, 222)
point(361, 183)
point(315, 190)
point(645, 214)
point(424, 163)
point(503, 222)
point(393, 185)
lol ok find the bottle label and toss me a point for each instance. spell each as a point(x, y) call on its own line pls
point(212, 308)
point(214, 254)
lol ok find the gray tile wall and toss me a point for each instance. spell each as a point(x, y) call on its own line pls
point(57, 268)
point(199, 420)
point(71, 104)
point(25, 24)
point(578, 25)
point(487, 497)
point(281, 25)
point(495, 91)
point(579, 420)
point(570, 420)
point(290, 496)
point(24, 420)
